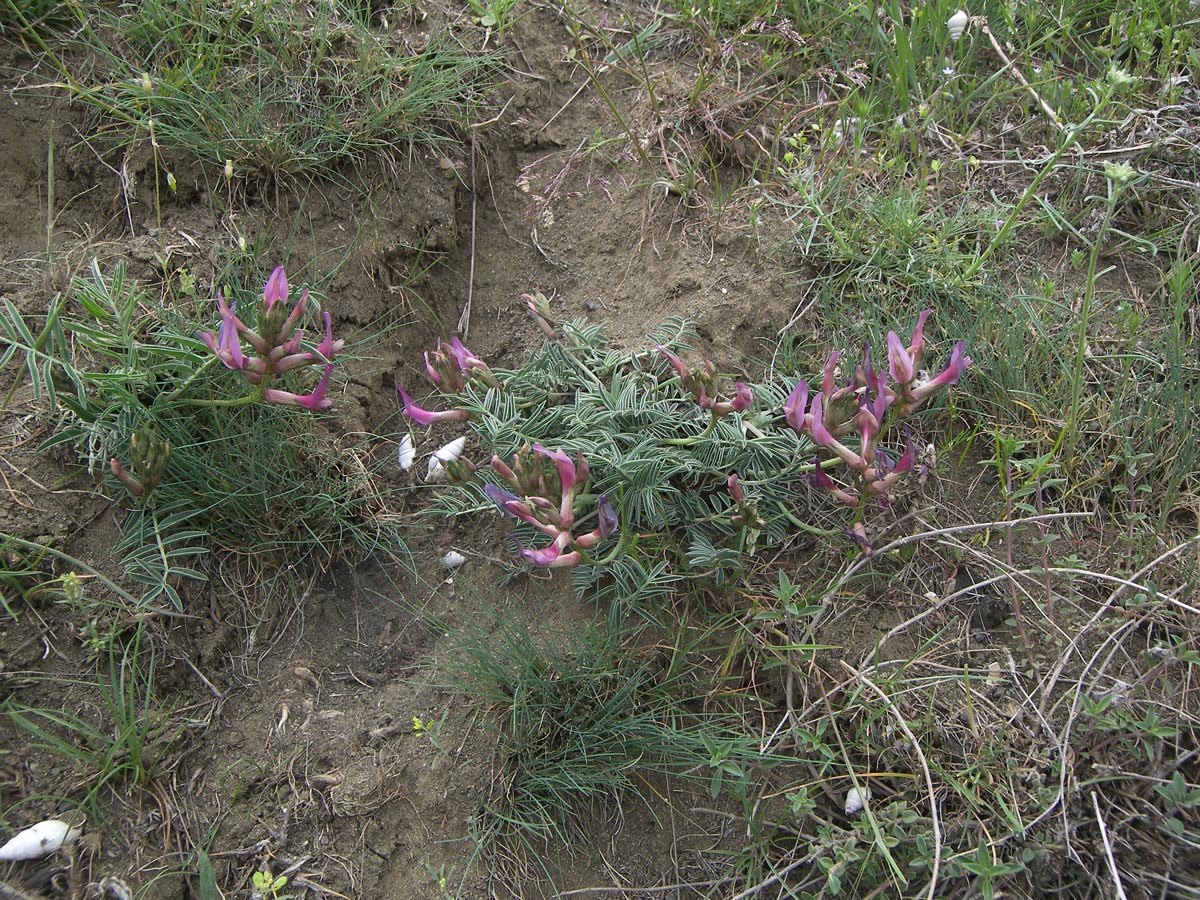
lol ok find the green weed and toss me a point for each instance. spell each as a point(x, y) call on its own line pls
point(120, 749)
point(250, 478)
point(279, 90)
point(581, 719)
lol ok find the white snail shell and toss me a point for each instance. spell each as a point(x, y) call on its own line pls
point(957, 24)
point(452, 450)
point(857, 799)
point(39, 840)
point(453, 559)
point(406, 453)
point(436, 469)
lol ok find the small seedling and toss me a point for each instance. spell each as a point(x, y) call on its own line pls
point(269, 887)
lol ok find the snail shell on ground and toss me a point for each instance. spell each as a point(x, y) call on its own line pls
point(452, 450)
point(39, 840)
point(406, 453)
point(957, 24)
point(856, 800)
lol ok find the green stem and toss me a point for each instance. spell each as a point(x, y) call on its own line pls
point(74, 563)
point(804, 526)
point(687, 442)
point(1011, 222)
point(238, 401)
point(633, 139)
point(1070, 431)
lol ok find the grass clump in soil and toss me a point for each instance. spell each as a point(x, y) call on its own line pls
point(279, 90)
point(135, 395)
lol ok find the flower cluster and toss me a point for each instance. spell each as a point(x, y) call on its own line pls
point(538, 305)
point(275, 345)
point(449, 366)
point(540, 477)
point(546, 482)
point(149, 453)
point(701, 385)
point(862, 406)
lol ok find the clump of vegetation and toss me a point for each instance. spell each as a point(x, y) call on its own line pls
point(903, 650)
point(274, 89)
point(138, 391)
point(666, 480)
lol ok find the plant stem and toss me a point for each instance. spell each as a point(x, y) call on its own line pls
point(1010, 223)
point(1071, 426)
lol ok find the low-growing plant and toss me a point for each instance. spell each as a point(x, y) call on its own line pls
point(643, 468)
point(582, 718)
point(277, 90)
point(120, 749)
point(208, 432)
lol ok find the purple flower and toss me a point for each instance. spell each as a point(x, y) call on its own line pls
point(607, 516)
point(909, 458)
point(822, 437)
point(821, 479)
point(317, 399)
point(877, 387)
point(328, 348)
point(735, 488)
point(900, 362)
point(502, 498)
point(464, 358)
point(543, 557)
point(916, 346)
point(552, 557)
point(539, 305)
point(742, 398)
point(794, 406)
point(503, 470)
point(314, 401)
point(227, 345)
point(676, 363)
point(431, 370)
point(562, 462)
point(948, 376)
point(828, 386)
point(426, 417)
point(276, 290)
point(858, 534)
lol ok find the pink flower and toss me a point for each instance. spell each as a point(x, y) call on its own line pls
point(676, 363)
point(431, 370)
point(328, 348)
point(916, 346)
point(425, 416)
point(742, 398)
point(276, 290)
point(900, 362)
point(227, 346)
point(464, 358)
point(822, 437)
point(821, 479)
point(735, 488)
point(314, 401)
point(607, 516)
point(552, 557)
point(828, 386)
point(948, 376)
point(794, 407)
point(566, 467)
